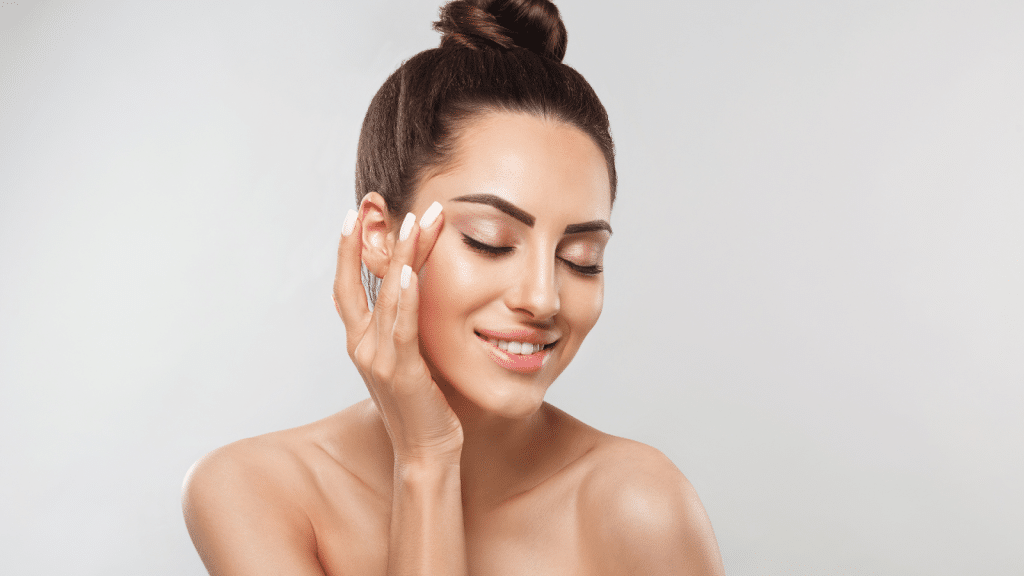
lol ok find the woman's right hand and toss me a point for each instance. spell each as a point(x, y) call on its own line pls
point(384, 343)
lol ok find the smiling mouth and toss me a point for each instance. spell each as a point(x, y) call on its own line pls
point(517, 348)
point(521, 357)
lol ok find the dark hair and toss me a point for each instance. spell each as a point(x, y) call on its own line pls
point(495, 56)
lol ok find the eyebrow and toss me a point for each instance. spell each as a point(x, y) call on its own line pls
point(588, 227)
point(501, 204)
point(527, 218)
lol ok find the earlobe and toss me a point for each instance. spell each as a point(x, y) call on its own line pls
point(378, 234)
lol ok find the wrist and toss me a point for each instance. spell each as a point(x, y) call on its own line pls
point(438, 453)
point(428, 479)
point(423, 463)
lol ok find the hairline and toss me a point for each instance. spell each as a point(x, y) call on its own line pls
point(489, 111)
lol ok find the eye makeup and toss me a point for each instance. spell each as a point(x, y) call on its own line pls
point(486, 230)
point(575, 266)
point(486, 248)
point(581, 251)
point(493, 235)
point(593, 270)
point(583, 256)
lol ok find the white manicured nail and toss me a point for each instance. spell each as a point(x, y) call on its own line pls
point(430, 215)
point(410, 219)
point(406, 276)
point(350, 223)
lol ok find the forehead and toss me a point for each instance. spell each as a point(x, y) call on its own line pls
point(544, 166)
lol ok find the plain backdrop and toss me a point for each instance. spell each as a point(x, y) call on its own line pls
point(815, 292)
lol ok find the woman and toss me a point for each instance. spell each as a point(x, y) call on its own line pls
point(485, 177)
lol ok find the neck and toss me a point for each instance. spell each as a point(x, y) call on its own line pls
point(502, 457)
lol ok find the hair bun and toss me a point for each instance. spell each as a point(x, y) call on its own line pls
point(531, 24)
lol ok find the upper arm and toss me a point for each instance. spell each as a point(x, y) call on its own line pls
point(241, 519)
point(647, 519)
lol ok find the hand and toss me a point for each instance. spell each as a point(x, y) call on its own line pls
point(384, 343)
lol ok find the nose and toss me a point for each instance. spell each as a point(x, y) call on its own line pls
point(535, 289)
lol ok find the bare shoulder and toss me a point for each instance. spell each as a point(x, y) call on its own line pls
point(240, 515)
point(640, 515)
point(245, 504)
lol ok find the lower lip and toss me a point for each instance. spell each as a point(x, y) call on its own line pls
point(517, 362)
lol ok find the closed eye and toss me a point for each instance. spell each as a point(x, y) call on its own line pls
point(593, 270)
point(486, 248)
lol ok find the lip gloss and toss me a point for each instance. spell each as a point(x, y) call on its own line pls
point(524, 363)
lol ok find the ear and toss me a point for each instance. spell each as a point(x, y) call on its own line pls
point(378, 234)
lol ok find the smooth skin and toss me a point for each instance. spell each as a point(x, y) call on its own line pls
point(456, 465)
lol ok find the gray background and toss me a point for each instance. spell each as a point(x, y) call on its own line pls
point(815, 293)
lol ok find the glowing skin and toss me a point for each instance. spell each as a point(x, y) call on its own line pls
point(540, 288)
point(456, 465)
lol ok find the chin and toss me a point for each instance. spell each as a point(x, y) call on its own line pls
point(512, 403)
point(502, 398)
point(493, 391)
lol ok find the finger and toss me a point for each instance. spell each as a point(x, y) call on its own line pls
point(430, 227)
point(385, 308)
point(364, 351)
point(408, 360)
point(349, 295)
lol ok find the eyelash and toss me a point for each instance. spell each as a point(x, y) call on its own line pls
point(502, 250)
point(486, 248)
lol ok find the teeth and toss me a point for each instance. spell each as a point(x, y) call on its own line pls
point(524, 348)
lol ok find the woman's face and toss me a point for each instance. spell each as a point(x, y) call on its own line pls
point(527, 203)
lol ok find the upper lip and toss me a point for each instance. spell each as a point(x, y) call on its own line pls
point(527, 335)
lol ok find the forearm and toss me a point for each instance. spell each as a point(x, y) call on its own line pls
point(428, 536)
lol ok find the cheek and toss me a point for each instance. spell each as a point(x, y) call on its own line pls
point(450, 289)
point(582, 304)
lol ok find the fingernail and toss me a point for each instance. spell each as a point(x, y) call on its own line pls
point(350, 223)
point(406, 276)
point(430, 215)
point(410, 219)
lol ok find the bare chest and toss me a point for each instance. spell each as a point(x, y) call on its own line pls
point(538, 535)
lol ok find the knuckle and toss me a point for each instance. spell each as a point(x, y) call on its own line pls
point(385, 300)
point(382, 372)
point(406, 304)
point(411, 371)
point(404, 333)
point(362, 355)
